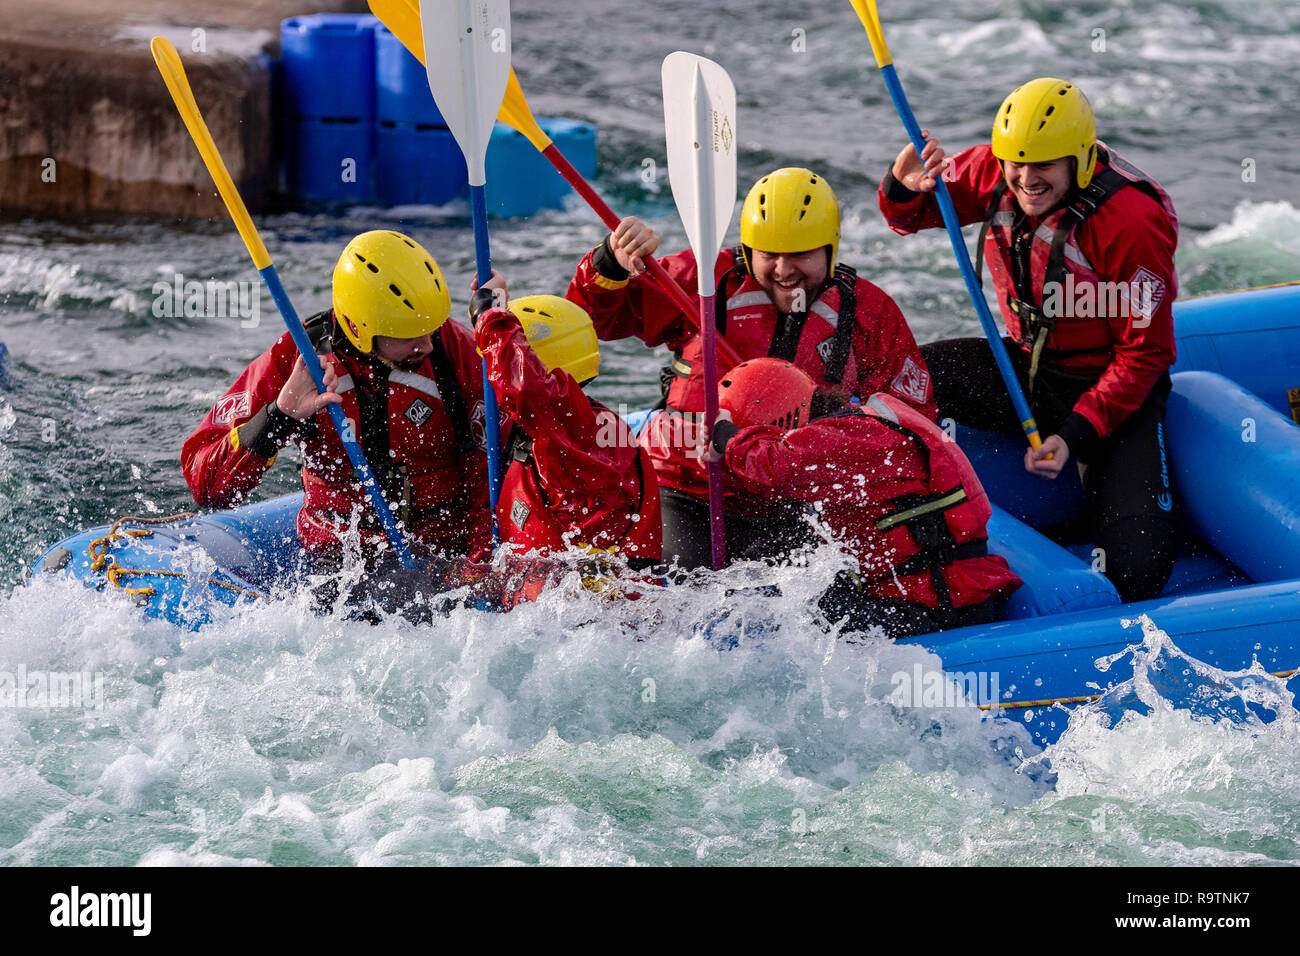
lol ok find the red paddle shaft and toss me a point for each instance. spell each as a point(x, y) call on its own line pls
point(666, 282)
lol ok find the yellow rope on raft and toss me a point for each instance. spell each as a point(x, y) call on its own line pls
point(114, 572)
point(1086, 699)
point(98, 559)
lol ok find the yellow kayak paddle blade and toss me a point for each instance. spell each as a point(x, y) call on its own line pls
point(173, 74)
point(866, 11)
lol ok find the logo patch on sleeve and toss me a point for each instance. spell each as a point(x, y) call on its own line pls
point(231, 407)
point(912, 382)
point(519, 513)
point(1147, 291)
point(418, 412)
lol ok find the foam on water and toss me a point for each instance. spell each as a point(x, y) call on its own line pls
point(1208, 785)
point(717, 725)
point(1261, 236)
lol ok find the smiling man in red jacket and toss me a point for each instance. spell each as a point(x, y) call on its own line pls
point(410, 383)
point(781, 293)
point(1080, 245)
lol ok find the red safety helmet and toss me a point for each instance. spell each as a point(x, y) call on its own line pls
point(767, 391)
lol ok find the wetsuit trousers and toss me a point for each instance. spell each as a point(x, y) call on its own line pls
point(686, 533)
point(1130, 494)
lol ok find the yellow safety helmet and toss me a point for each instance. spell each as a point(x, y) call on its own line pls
point(1047, 119)
point(791, 210)
point(561, 333)
point(386, 283)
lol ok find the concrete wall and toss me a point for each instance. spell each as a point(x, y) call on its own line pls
point(87, 124)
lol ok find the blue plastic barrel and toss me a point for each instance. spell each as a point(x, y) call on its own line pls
point(329, 66)
point(330, 160)
point(328, 82)
point(520, 180)
point(417, 165)
point(401, 84)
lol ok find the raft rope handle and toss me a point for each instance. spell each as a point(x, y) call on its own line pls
point(98, 559)
point(114, 572)
point(1012, 705)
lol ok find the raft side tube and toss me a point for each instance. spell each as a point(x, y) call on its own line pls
point(999, 461)
point(254, 548)
point(1038, 662)
point(1251, 337)
point(1235, 464)
point(1055, 580)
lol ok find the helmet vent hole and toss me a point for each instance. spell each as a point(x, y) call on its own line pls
point(807, 199)
point(802, 213)
point(407, 303)
point(1042, 123)
point(429, 267)
point(395, 290)
point(1050, 109)
point(372, 267)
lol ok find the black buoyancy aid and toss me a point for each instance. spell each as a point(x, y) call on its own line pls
point(789, 328)
point(1036, 321)
point(326, 338)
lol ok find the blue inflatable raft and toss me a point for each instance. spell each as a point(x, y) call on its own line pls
point(1233, 601)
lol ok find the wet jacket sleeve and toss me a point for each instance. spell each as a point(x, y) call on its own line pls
point(805, 463)
point(1131, 241)
point(458, 342)
point(226, 456)
point(621, 305)
point(970, 180)
point(889, 360)
point(549, 406)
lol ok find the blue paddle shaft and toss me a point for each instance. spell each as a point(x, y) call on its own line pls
point(991, 331)
point(355, 454)
point(492, 419)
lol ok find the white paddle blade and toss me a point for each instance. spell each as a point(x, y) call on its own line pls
point(467, 57)
point(700, 126)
